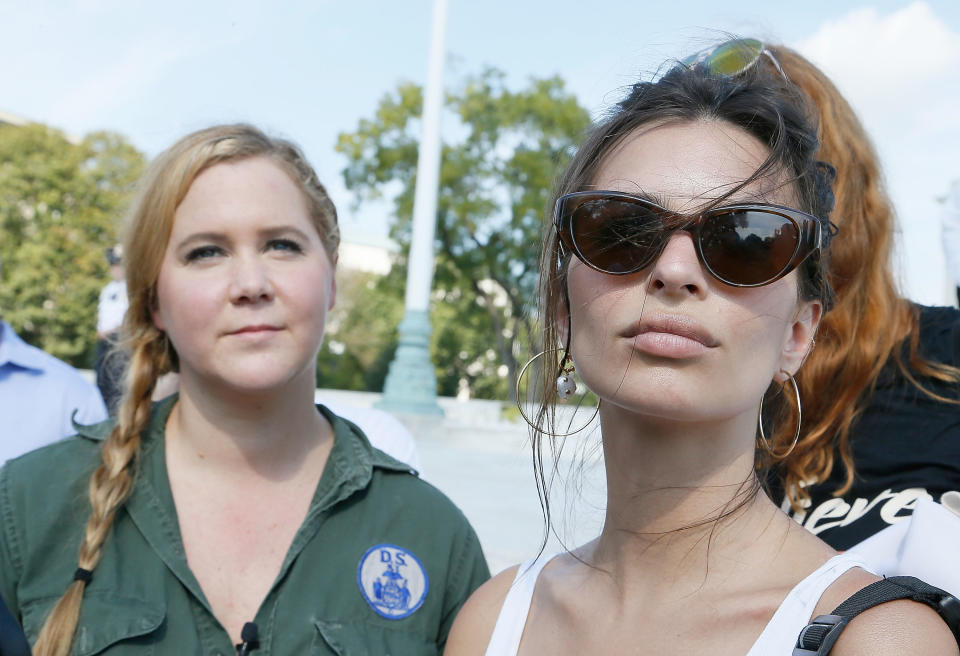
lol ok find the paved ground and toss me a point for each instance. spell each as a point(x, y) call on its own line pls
point(489, 475)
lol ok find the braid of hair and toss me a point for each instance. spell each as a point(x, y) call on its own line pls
point(111, 483)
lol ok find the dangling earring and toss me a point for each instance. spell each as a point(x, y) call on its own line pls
point(763, 437)
point(566, 387)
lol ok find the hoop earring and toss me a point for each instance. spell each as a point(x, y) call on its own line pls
point(796, 437)
point(565, 388)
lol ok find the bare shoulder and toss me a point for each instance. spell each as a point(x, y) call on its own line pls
point(473, 627)
point(896, 628)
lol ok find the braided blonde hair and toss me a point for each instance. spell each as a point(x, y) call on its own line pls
point(151, 354)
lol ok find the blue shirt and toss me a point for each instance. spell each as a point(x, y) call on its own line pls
point(38, 395)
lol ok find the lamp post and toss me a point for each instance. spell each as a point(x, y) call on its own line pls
point(411, 385)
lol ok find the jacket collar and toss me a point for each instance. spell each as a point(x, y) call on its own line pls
point(17, 352)
point(351, 452)
point(349, 469)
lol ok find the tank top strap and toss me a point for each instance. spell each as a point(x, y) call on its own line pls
point(512, 619)
point(796, 610)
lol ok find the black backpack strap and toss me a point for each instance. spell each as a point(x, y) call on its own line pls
point(818, 637)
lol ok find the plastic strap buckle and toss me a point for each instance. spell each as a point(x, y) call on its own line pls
point(949, 609)
point(817, 638)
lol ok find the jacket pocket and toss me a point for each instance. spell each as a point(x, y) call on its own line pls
point(109, 624)
point(366, 639)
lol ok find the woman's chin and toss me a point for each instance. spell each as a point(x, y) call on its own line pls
point(258, 381)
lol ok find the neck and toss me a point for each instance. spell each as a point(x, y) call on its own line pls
point(272, 434)
point(679, 493)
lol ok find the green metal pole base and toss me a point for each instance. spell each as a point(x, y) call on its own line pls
point(411, 385)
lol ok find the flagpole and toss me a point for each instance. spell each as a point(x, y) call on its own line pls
point(411, 385)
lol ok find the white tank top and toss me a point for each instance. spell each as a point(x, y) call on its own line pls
point(779, 635)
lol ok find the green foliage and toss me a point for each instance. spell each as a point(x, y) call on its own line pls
point(361, 332)
point(494, 190)
point(60, 203)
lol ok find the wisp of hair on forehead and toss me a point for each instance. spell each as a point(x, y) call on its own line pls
point(149, 225)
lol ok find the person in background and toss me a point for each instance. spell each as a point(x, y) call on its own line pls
point(40, 396)
point(12, 640)
point(235, 512)
point(951, 234)
point(384, 431)
point(881, 395)
point(110, 361)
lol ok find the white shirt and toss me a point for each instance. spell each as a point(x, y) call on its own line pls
point(38, 396)
point(778, 637)
point(383, 430)
point(923, 544)
point(112, 306)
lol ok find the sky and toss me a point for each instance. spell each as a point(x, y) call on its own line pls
point(311, 69)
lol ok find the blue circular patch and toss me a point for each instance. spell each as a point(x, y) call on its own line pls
point(392, 581)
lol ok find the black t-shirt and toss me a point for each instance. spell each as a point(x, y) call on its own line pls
point(906, 446)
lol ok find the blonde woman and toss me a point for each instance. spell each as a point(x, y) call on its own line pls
point(236, 512)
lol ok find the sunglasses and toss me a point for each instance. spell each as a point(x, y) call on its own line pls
point(731, 58)
point(745, 245)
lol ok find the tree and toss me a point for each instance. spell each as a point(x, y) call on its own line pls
point(494, 188)
point(361, 332)
point(60, 205)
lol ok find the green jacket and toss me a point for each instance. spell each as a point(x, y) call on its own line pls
point(381, 564)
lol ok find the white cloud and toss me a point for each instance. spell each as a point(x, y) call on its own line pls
point(899, 72)
point(873, 55)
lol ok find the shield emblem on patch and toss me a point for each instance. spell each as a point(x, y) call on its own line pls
point(392, 581)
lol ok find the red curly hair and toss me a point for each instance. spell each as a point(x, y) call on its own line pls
point(871, 323)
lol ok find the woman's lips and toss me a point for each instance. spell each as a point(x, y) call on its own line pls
point(670, 336)
point(254, 331)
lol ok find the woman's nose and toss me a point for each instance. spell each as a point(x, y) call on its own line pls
point(677, 271)
point(251, 281)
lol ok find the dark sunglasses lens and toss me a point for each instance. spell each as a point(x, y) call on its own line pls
point(615, 235)
point(748, 247)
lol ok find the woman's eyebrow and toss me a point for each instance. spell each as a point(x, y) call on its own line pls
point(655, 198)
point(278, 231)
point(651, 197)
point(742, 196)
point(209, 237)
point(221, 238)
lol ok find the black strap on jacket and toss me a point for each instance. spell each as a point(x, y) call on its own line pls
point(12, 640)
point(818, 637)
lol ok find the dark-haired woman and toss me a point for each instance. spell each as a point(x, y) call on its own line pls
point(684, 279)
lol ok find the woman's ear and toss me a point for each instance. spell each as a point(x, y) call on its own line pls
point(799, 338)
point(333, 281)
point(157, 318)
point(333, 294)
